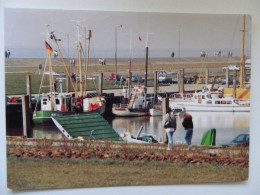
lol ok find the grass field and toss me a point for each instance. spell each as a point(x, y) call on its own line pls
point(30, 173)
point(49, 164)
point(17, 69)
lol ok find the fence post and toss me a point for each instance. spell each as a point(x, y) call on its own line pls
point(27, 130)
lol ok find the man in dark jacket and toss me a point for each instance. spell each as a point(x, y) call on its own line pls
point(188, 128)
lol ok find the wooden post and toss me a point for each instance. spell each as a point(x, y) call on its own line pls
point(100, 84)
point(207, 78)
point(165, 106)
point(234, 83)
point(28, 89)
point(27, 130)
point(181, 81)
point(227, 73)
point(129, 84)
point(155, 81)
point(67, 84)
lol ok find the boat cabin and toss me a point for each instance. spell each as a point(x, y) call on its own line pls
point(61, 102)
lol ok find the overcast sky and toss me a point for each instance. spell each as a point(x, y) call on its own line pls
point(25, 32)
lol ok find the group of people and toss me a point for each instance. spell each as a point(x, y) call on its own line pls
point(170, 124)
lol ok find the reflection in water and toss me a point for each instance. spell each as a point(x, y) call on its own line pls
point(48, 132)
point(227, 124)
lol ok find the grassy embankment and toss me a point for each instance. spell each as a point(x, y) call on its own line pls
point(17, 69)
point(30, 173)
point(93, 164)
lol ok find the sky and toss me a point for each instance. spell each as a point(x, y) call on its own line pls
point(25, 33)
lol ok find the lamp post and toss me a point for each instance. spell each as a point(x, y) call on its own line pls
point(116, 27)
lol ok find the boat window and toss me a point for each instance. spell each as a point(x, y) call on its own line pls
point(217, 102)
point(178, 95)
point(44, 101)
point(209, 102)
point(208, 96)
point(203, 97)
point(223, 102)
point(229, 102)
point(63, 101)
point(57, 101)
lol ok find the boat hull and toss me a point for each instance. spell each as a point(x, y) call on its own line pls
point(44, 117)
point(213, 108)
point(127, 112)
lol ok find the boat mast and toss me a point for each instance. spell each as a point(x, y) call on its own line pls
point(242, 52)
point(146, 59)
point(87, 61)
point(51, 80)
point(79, 47)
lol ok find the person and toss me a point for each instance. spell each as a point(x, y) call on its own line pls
point(188, 128)
point(8, 53)
point(170, 126)
point(115, 82)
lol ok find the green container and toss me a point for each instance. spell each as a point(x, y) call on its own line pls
point(209, 138)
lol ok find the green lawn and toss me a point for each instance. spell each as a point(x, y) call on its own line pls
point(31, 173)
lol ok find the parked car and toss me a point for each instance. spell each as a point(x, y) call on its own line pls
point(137, 78)
point(240, 140)
point(167, 79)
point(231, 67)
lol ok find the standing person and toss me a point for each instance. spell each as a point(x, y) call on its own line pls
point(8, 53)
point(169, 123)
point(188, 128)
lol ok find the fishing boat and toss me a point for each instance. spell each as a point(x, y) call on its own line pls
point(138, 104)
point(57, 103)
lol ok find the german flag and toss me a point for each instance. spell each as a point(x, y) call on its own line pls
point(48, 47)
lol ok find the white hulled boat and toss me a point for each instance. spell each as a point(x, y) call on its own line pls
point(206, 101)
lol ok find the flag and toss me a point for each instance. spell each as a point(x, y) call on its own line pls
point(140, 39)
point(48, 47)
